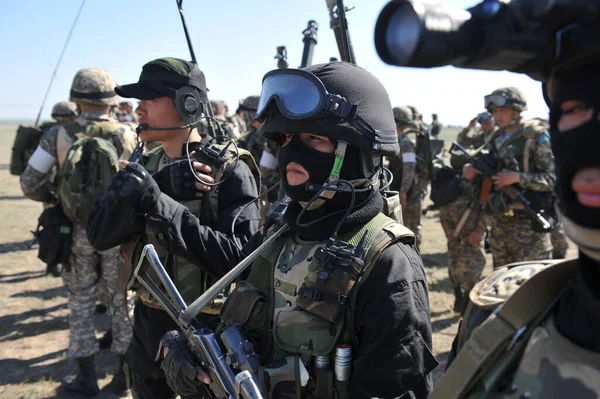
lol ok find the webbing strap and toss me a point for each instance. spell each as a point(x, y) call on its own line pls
point(488, 340)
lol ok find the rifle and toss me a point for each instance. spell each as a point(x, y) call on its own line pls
point(339, 24)
point(310, 41)
point(233, 374)
point(484, 162)
point(281, 57)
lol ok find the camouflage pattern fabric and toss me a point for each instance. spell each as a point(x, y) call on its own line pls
point(554, 367)
point(92, 275)
point(513, 240)
point(254, 142)
point(475, 141)
point(559, 242)
point(89, 269)
point(411, 213)
point(436, 128)
point(466, 261)
point(34, 183)
point(512, 237)
point(94, 86)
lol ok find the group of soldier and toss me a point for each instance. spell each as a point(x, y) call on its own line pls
point(343, 277)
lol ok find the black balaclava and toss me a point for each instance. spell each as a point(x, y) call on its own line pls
point(577, 148)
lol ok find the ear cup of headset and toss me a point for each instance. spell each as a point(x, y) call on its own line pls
point(189, 104)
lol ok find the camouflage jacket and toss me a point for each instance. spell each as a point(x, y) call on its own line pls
point(404, 167)
point(530, 155)
point(476, 140)
point(36, 184)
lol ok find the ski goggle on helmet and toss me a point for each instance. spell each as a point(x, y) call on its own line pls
point(301, 95)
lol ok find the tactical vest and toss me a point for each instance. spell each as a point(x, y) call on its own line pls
point(191, 280)
point(516, 352)
point(523, 143)
point(295, 307)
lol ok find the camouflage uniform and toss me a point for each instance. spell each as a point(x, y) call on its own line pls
point(404, 169)
point(559, 242)
point(90, 274)
point(475, 141)
point(466, 261)
point(512, 237)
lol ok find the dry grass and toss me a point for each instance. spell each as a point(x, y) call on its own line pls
point(33, 313)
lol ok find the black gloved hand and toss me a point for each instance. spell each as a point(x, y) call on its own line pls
point(135, 188)
point(177, 180)
point(179, 365)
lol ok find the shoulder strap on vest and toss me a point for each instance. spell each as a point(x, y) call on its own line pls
point(503, 328)
point(67, 135)
point(531, 129)
point(382, 232)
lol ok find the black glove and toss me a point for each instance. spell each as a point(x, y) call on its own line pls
point(135, 188)
point(179, 365)
point(177, 180)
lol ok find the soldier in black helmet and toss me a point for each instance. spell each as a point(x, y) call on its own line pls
point(334, 123)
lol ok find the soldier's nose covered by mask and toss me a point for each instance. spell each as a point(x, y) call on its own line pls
point(318, 165)
point(579, 147)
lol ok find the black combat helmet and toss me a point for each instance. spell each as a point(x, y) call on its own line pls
point(354, 107)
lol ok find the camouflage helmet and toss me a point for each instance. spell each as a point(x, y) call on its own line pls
point(415, 112)
point(511, 97)
point(94, 86)
point(403, 116)
point(63, 110)
point(250, 104)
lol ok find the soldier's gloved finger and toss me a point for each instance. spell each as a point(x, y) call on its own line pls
point(200, 167)
point(202, 187)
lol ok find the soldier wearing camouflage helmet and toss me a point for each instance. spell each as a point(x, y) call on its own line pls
point(525, 162)
point(89, 274)
point(64, 111)
point(252, 141)
point(329, 162)
point(404, 170)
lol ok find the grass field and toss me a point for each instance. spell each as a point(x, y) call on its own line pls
point(33, 313)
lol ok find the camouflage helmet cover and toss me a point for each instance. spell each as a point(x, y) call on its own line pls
point(514, 96)
point(94, 86)
point(64, 110)
point(415, 112)
point(403, 116)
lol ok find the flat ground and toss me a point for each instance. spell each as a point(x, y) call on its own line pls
point(34, 327)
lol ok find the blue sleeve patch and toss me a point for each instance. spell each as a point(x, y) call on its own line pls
point(543, 138)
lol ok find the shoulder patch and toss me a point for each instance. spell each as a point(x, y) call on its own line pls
point(543, 138)
point(495, 289)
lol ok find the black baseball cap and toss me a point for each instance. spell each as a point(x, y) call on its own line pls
point(162, 77)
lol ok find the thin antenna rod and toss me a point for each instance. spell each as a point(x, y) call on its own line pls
point(39, 115)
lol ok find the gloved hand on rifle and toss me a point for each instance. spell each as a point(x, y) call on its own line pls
point(184, 375)
point(135, 188)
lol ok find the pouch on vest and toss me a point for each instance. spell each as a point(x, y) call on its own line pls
point(26, 141)
point(246, 306)
point(89, 167)
point(288, 378)
point(54, 235)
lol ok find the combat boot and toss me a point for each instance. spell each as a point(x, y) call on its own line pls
point(460, 300)
point(118, 385)
point(85, 382)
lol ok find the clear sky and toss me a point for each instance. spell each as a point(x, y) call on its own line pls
point(235, 43)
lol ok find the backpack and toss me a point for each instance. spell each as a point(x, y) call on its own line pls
point(89, 167)
point(27, 140)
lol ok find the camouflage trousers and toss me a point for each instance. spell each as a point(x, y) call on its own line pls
point(465, 261)
point(513, 240)
point(92, 275)
point(559, 242)
point(411, 213)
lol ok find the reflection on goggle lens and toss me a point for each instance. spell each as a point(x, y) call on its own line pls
point(297, 95)
point(496, 100)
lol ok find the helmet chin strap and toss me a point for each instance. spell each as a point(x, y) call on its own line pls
point(587, 239)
